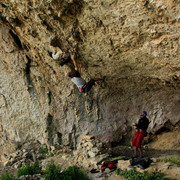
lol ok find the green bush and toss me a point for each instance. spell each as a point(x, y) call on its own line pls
point(51, 154)
point(29, 169)
point(73, 173)
point(43, 149)
point(52, 172)
point(173, 159)
point(134, 175)
point(7, 176)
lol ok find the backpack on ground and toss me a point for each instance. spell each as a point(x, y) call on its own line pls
point(109, 164)
point(142, 163)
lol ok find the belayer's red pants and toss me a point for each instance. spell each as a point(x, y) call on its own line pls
point(137, 139)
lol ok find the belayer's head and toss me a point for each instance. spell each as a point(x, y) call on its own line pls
point(143, 114)
point(70, 74)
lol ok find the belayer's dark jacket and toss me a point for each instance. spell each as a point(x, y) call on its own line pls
point(143, 123)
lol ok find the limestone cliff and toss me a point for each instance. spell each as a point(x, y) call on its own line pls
point(135, 44)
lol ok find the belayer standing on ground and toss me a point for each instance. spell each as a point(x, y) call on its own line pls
point(141, 127)
point(75, 76)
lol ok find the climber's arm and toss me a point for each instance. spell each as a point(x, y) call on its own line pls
point(75, 63)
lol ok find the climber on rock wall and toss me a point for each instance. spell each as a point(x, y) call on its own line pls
point(60, 56)
point(141, 128)
point(75, 76)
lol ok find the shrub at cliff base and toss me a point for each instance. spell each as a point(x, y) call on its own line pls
point(43, 149)
point(73, 173)
point(172, 159)
point(29, 169)
point(53, 172)
point(134, 175)
point(7, 176)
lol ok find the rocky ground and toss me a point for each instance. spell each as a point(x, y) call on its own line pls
point(90, 151)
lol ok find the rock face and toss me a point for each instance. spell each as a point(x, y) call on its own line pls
point(135, 44)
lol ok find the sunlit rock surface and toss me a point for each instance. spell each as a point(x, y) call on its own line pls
point(135, 44)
